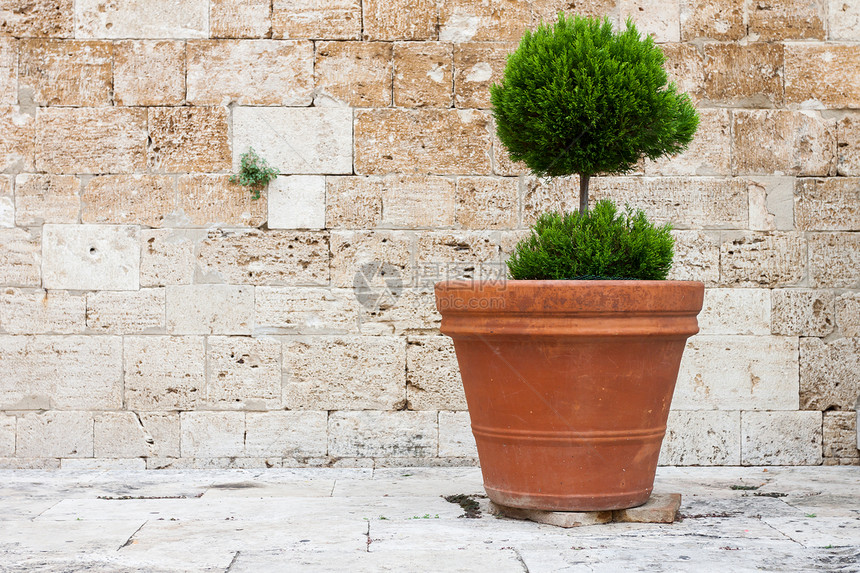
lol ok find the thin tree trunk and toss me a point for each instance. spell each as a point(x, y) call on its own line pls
point(583, 193)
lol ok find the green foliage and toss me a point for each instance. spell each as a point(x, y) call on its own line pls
point(577, 97)
point(254, 172)
point(602, 243)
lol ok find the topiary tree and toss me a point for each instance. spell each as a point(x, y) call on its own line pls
point(578, 98)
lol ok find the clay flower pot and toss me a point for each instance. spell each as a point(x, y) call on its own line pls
point(569, 384)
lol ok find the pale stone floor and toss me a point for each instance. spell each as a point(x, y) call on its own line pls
point(363, 520)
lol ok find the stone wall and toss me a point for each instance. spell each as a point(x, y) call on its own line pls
point(153, 314)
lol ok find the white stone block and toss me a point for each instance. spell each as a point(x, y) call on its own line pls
point(243, 373)
point(702, 438)
point(25, 311)
point(296, 310)
point(164, 372)
point(7, 200)
point(735, 311)
point(127, 312)
point(455, 435)
point(103, 464)
point(142, 19)
point(297, 202)
point(286, 434)
point(402, 434)
point(210, 309)
point(20, 257)
point(55, 435)
point(7, 436)
point(90, 257)
point(781, 438)
point(212, 434)
point(131, 435)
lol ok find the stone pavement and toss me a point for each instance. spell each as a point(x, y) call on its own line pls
point(364, 520)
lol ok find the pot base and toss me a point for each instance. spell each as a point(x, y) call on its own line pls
point(573, 502)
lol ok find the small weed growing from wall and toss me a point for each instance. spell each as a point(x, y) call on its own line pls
point(254, 173)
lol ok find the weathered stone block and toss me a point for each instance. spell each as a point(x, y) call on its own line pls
point(353, 202)
point(710, 153)
point(762, 259)
point(382, 434)
point(290, 310)
point(7, 436)
point(61, 372)
point(423, 74)
point(317, 19)
point(785, 20)
point(685, 65)
point(344, 373)
point(702, 438)
point(735, 311)
point(716, 20)
point(128, 199)
point(355, 74)
point(8, 71)
point(20, 258)
point(822, 75)
point(37, 18)
point(455, 435)
point(432, 375)
point(400, 19)
point(848, 145)
point(55, 435)
point(46, 199)
point(442, 142)
point(91, 140)
point(325, 135)
point(212, 434)
point(166, 257)
point(288, 258)
point(829, 377)
point(502, 163)
point(442, 255)
point(469, 21)
point(541, 195)
point(297, 202)
point(185, 139)
point(410, 311)
point(286, 434)
point(840, 437)
point(90, 257)
point(132, 435)
point(205, 200)
point(243, 373)
point(373, 262)
point(141, 19)
point(660, 19)
point(250, 72)
point(780, 438)
point(771, 202)
point(843, 20)
point(66, 72)
point(547, 10)
point(478, 65)
point(720, 372)
point(834, 260)
point(149, 72)
point(240, 19)
point(17, 133)
point(802, 312)
point(410, 201)
point(744, 75)
point(126, 312)
point(41, 312)
point(164, 373)
point(848, 314)
point(7, 202)
point(487, 202)
point(210, 309)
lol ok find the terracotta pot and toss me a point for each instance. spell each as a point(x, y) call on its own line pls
point(569, 384)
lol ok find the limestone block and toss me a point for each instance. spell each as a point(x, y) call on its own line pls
point(20, 258)
point(17, 133)
point(128, 199)
point(685, 65)
point(786, 20)
point(205, 200)
point(68, 372)
point(781, 438)
point(296, 140)
point(41, 312)
point(7, 202)
point(355, 74)
point(167, 257)
point(317, 19)
point(736, 311)
point(702, 438)
point(848, 314)
point(103, 464)
point(547, 10)
point(7, 436)
point(502, 163)
point(831, 204)
point(382, 434)
point(373, 262)
point(286, 434)
point(55, 435)
point(485, 21)
point(716, 20)
point(410, 311)
point(240, 19)
point(442, 255)
point(660, 508)
point(66, 72)
point(478, 65)
point(829, 374)
point(541, 195)
point(802, 312)
point(660, 19)
point(822, 75)
point(432, 375)
point(762, 259)
point(744, 75)
point(243, 373)
point(289, 310)
point(37, 18)
point(843, 20)
point(423, 74)
point(353, 202)
point(840, 436)
point(400, 19)
point(487, 202)
point(417, 201)
point(210, 309)
point(719, 372)
point(344, 373)
point(848, 145)
point(771, 203)
point(834, 260)
point(455, 435)
point(89, 140)
point(435, 141)
point(183, 139)
point(277, 258)
point(90, 257)
point(30, 463)
point(132, 435)
point(297, 202)
point(46, 199)
point(164, 373)
point(126, 312)
point(250, 72)
point(212, 434)
point(708, 154)
point(141, 19)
